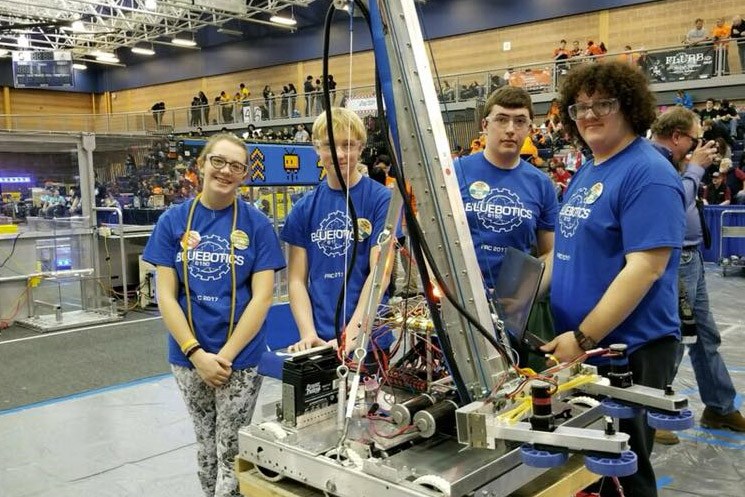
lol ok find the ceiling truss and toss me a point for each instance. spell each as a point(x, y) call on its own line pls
point(113, 24)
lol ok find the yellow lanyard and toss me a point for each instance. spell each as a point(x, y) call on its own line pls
point(185, 263)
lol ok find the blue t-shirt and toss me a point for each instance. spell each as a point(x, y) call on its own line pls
point(504, 208)
point(319, 223)
point(210, 271)
point(630, 203)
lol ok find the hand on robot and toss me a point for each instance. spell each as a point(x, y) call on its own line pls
point(564, 347)
point(307, 343)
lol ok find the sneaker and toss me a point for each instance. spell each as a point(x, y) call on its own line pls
point(732, 421)
point(665, 437)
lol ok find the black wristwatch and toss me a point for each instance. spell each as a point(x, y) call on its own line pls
point(585, 343)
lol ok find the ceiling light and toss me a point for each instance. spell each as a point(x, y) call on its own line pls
point(151, 4)
point(107, 57)
point(284, 21)
point(143, 50)
point(78, 26)
point(184, 42)
point(232, 32)
point(79, 66)
point(23, 41)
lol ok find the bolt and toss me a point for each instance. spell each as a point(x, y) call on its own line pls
point(609, 428)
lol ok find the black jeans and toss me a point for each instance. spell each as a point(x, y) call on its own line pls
point(652, 365)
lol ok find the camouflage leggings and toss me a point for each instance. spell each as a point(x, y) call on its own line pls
point(217, 413)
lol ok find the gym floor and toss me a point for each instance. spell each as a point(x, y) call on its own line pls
point(95, 411)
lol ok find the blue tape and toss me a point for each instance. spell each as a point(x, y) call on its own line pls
point(87, 393)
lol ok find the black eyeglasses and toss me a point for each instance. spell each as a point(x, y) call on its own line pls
point(599, 108)
point(219, 162)
point(694, 140)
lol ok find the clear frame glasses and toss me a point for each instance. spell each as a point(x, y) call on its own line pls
point(503, 121)
point(219, 162)
point(599, 108)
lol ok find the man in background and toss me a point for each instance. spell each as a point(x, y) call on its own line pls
point(717, 193)
point(676, 133)
point(697, 34)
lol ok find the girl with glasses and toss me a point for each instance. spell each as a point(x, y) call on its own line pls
point(215, 258)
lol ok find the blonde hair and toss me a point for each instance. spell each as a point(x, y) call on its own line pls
point(343, 120)
point(724, 165)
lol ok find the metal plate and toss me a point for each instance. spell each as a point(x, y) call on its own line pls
point(71, 319)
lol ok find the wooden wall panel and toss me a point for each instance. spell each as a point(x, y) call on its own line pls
point(666, 23)
point(23, 101)
point(530, 43)
point(647, 25)
point(176, 94)
point(51, 110)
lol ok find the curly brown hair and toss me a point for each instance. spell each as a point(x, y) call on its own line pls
point(617, 80)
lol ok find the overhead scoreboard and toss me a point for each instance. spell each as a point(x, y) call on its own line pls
point(43, 69)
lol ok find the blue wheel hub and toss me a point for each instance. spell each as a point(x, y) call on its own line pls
point(612, 465)
point(541, 458)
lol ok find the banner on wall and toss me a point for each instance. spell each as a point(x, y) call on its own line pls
point(274, 164)
point(682, 64)
point(532, 80)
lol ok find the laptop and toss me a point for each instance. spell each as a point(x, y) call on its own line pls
point(515, 291)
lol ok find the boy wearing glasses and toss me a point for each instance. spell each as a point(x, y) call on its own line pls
point(619, 236)
point(508, 202)
point(319, 232)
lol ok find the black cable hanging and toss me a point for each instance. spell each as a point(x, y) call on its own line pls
point(420, 247)
point(340, 310)
point(417, 234)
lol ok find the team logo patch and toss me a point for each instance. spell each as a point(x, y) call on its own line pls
point(239, 239)
point(211, 260)
point(333, 234)
point(478, 190)
point(190, 240)
point(574, 211)
point(500, 211)
point(364, 229)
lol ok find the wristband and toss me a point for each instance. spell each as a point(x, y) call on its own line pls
point(188, 344)
point(585, 343)
point(192, 350)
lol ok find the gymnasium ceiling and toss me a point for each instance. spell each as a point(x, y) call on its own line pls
point(87, 27)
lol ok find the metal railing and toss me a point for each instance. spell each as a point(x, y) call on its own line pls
point(677, 62)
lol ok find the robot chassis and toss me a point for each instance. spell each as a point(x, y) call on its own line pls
point(475, 429)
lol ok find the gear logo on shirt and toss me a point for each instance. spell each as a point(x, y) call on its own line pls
point(210, 260)
point(334, 234)
point(500, 211)
point(572, 212)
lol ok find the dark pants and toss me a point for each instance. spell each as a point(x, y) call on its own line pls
point(653, 366)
